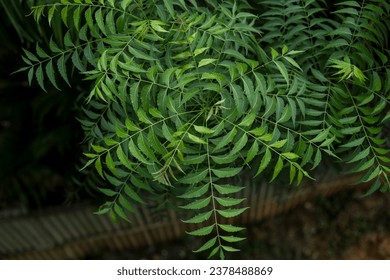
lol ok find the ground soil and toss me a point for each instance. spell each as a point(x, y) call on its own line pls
point(345, 226)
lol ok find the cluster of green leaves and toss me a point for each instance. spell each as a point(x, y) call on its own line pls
point(348, 44)
point(186, 95)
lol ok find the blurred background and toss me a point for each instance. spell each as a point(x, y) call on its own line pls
point(47, 205)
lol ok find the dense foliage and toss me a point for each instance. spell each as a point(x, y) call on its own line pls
point(187, 94)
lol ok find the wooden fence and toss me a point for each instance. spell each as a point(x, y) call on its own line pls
point(72, 232)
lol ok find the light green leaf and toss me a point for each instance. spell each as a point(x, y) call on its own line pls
point(110, 163)
point(229, 249)
point(207, 245)
point(264, 161)
point(252, 152)
point(125, 4)
point(292, 62)
point(231, 239)
point(248, 120)
point(200, 51)
point(123, 158)
point(290, 155)
point(279, 144)
point(98, 166)
point(107, 192)
point(197, 204)
point(377, 171)
point(126, 204)
point(278, 167)
point(240, 144)
point(229, 201)
point(227, 189)
point(230, 228)
point(200, 218)
point(321, 136)
point(203, 129)
point(119, 211)
point(196, 139)
point(202, 231)
point(206, 61)
point(226, 172)
point(135, 152)
point(230, 213)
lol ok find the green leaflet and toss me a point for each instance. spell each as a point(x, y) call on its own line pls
point(108, 192)
point(230, 228)
point(227, 189)
point(197, 204)
point(202, 231)
point(209, 244)
point(226, 172)
point(228, 138)
point(119, 211)
point(229, 201)
point(230, 213)
point(203, 129)
point(231, 239)
point(264, 161)
point(200, 218)
point(278, 167)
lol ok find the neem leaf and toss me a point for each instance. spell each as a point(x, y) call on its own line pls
point(230, 228)
point(126, 204)
point(227, 189)
point(230, 213)
point(197, 204)
point(232, 238)
point(119, 211)
point(264, 161)
point(226, 172)
point(200, 218)
point(206, 61)
point(132, 194)
point(98, 166)
point(194, 177)
point(278, 167)
point(230, 249)
point(225, 139)
point(202, 231)
point(207, 245)
point(195, 192)
point(279, 144)
point(203, 129)
point(108, 192)
point(248, 120)
point(196, 139)
point(229, 201)
point(252, 152)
